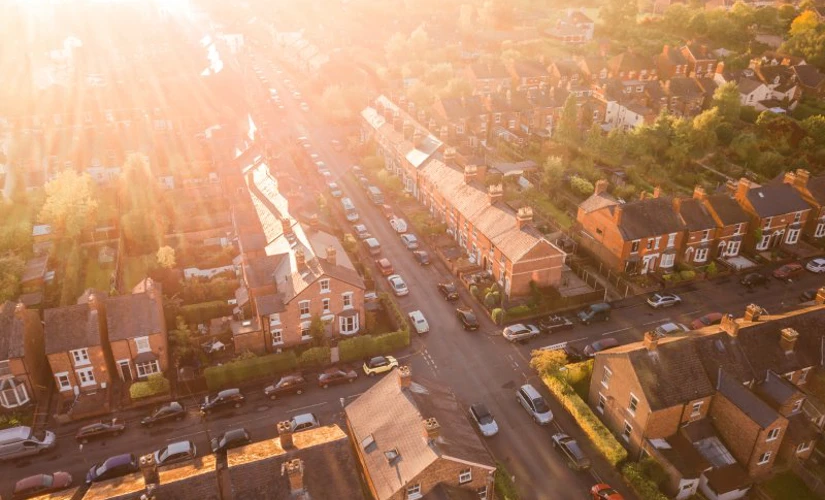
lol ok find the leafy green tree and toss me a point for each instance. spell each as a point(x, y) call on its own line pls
point(335, 103)
point(11, 270)
point(166, 257)
point(71, 203)
point(457, 87)
point(318, 331)
point(547, 362)
point(581, 186)
point(568, 130)
point(181, 341)
point(804, 23)
point(618, 14)
point(142, 231)
point(373, 163)
point(726, 100)
point(552, 174)
point(815, 127)
point(704, 127)
point(421, 94)
point(809, 45)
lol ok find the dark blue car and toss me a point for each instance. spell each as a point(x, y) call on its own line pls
point(116, 466)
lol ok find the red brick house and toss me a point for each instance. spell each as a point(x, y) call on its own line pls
point(528, 75)
point(700, 241)
point(629, 66)
point(412, 439)
point(671, 63)
point(488, 78)
point(778, 213)
point(460, 118)
point(812, 191)
point(701, 62)
point(22, 359)
point(731, 222)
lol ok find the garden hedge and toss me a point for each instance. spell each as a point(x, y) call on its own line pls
point(154, 385)
point(366, 346)
point(205, 311)
point(601, 437)
point(644, 486)
point(239, 371)
point(505, 488)
point(314, 357)
point(397, 316)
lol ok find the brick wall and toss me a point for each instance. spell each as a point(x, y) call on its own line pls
point(64, 362)
point(445, 471)
point(127, 349)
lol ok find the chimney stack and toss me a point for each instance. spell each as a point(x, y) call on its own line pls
point(422, 116)
point(331, 255)
point(470, 172)
point(295, 472)
point(657, 191)
point(286, 225)
point(285, 434)
point(443, 132)
point(398, 123)
point(449, 156)
point(149, 469)
point(801, 178)
point(651, 341)
point(730, 325)
point(418, 138)
point(699, 193)
point(642, 195)
point(95, 304)
point(787, 339)
point(820, 296)
point(524, 216)
point(300, 258)
point(601, 186)
point(752, 313)
point(431, 428)
point(618, 210)
point(432, 125)
point(408, 130)
point(677, 205)
point(404, 376)
point(495, 193)
point(742, 188)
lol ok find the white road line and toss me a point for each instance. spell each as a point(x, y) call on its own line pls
point(692, 312)
point(663, 320)
point(306, 407)
point(577, 340)
point(616, 331)
point(177, 438)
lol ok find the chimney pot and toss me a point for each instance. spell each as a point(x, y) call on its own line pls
point(699, 193)
point(657, 191)
point(752, 313)
point(313, 222)
point(801, 178)
point(431, 428)
point(651, 341)
point(470, 172)
point(787, 339)
point(742, 188)
point(601, 186)
point(495, 193)
point(331, 255)
point(295, 472)
point(730, 325)
point(300, 258)
point(404, 376)
point(286, 225)
point(20, 311)
point(820, 296)
point(285, 434)
point(449, 156)
point(149, 469)
point(524, 216)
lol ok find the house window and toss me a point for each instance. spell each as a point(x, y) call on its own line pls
point(820, 230)
point(325, 303)
point(4, 368)
point(803, 447)
point(763, 243)
point(142, 344)
point(696, 410)
point(303, 308)
point(650, 244)
point(347, 300)
point(634, 246)
point(277, 337)
point(482, 493)
point(86, 376)
point(634, 402)
point(274, 319)
point(602, 402)
point(765, 458)
point(740, 228)
point(147, 368)
point(81, 357)
point(465, 476)
point(606, 377)
point(793, 236)
point(667, 260)
point(656, 242)
point(497, 118)
point(511, 124)
point(701, 255)
point(348, 324)
point(324, 286)
point(706, 235)
point(414, 492)
point(459, 129)
point(803, 377)
point(797, 405)
point(773, 434)
point(628, 430)
point(63, 382)
point(797, 217)
point(12, 393)
point(732, 249)
point(671, 240)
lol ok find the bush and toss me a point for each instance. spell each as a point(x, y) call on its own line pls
point(505, 488)
point(199, 290)
point(474, 290)
point(712, 270)
point(601, 437)
point(518, 311)
point(667, 277)
point(367, 346)
point(195, 314)
point(242, 370)
point(581, 186)
point(497, 315)
point(397, 316)
point(154, 385)
point(492, 299)
point(314, 357)
point(644, 486)
point(687, 275)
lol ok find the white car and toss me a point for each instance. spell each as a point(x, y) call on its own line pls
point(659, 300)
point(304, 421)
point(361, 231)
point(670, 329)
point(398, 224)
point(419, 322)
point(816, 265)
point(335, 191)
point(520, 332)
point(399, 288)
point(321, 165)
point(410, 241)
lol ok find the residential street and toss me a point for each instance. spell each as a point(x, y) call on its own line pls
point(479, 366)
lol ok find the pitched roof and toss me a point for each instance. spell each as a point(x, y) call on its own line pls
point(489, 71)
point(134, 315)
point(70, 327)
point(456, 108)
point(695, 215)
point(597, 201)
point(679, 451)
point(728, 478)
point(646, 218)
point(776, 199)
point(260, 271)
point(389, 419)
point(496, 222)
point(526, 69)
point(776, 390)
point(629, 61)
point(748, 402)
point(728, 209)
point(684, 87)
point(748, 85)
point(12, 335)
point(808, 75)
point(816, 186)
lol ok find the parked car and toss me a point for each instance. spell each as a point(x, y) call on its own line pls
point(660, 300)
point(399, 288)
point(379, 364)
point(361, 231)
point(173, 453)
point(708, 319)
point(590, 350)
point(229, 398)
point(99, 430)
point(808, 295)
point(384, 266)
point(422, 257)
point(230, 439)
point(594, 312)
point(573, 353)
point(750, 280)
point(20, 441)
point(816, 265)
point(304, 421)
point(520, 332)
point(116, 466)
point(336, 375)
point(484, 420)
point(288, 384)
point(788, 271)
point(534, 403)
point(419, 322)
point(320, 165)
point(555, 323)
point(335, 191)
point(467, 317)
point(410, 241)
point(387, 211)
point(398, 224)
point(604, 492)
point(568, 446)
point(670, 328)
point(41, 484)
point(170, 411)
point(448, 290)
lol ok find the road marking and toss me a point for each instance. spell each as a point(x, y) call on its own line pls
point(306, 407)
point(177, 438)
point(596, 476)
point(663, 320)
point(616, 331)
point(692, 312)
point(554, 347)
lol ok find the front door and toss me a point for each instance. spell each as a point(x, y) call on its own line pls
point(125, 371)
point(648, 263)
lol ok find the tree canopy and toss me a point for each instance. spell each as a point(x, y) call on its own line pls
point(71, 203)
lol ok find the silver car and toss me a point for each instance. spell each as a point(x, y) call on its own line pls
point(520, 332)
point(304, 421)
point(484, 420)
point(179, 451)
point(535, 404)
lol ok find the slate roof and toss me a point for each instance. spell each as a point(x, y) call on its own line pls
point(12, 335)
point(597, 201)
point(260, 271)
point(695, 215)
point(70, 327)
point(489, 71)
point(728, 209)
point(394, 418)
point(567, 67)
point(748, 85)
point(496, 222)
point(748, 402)
point(808, 75)
point(720, 350)
point(457, 108)
point(269, 304)
point(683, 456)
point(133, 315)
point(776, 390)
point(629, 61)
point(528, 69)
point(776, 199)
point(684, 87)
point(728, 478)
point(648, 217)
point(816, 186)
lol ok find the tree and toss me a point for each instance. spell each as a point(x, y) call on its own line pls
point(804, 23)
point(568, 130)
point(726, 100)
point(547, 362)
point(419, 41)
point(396, 49)
point(318, 331)
point(11, 269)
point(581, 186)
point(618, 14)
point(496, 14)
point(815, 127)
point(181, 341)
point(142, 232)
point(166, 257)
point(439, 75)
point(71, 203)
point(335, 104)
point(704, 126)
point(457, 87)
point(552, 174)
point(421, 94)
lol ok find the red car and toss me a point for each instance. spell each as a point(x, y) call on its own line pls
point(708, 319)
point(384, 266)
point(604, 492)
point(788, 271)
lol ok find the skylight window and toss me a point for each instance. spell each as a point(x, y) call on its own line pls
point(368, 443)
point(392, 456)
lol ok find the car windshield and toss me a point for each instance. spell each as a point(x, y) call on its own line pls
point(541, 405)
point(449, 287)
point(483, 416)
point(48, 480)
point(162, 456)
point(101, 470)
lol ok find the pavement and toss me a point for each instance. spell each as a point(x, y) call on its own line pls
point(478, 366)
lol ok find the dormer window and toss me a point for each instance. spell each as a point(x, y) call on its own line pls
point(797, 405)
point(797, 217)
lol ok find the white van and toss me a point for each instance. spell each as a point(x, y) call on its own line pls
point(18, 442)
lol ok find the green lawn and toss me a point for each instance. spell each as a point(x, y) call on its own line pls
point(135, 268)
point(97, 275)
point(787, 486)
point(544, 206)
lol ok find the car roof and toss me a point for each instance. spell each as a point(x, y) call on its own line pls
point(479, 409)
point(229, 392)
point(530, 391)
point(417, 315)
point(29, 482)
point(179, 446)
point(118, 460)
point(384, 261)
point(235, 434)
point(605, 343)
point(304, 417)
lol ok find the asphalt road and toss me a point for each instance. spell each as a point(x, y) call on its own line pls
point(479, 366)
